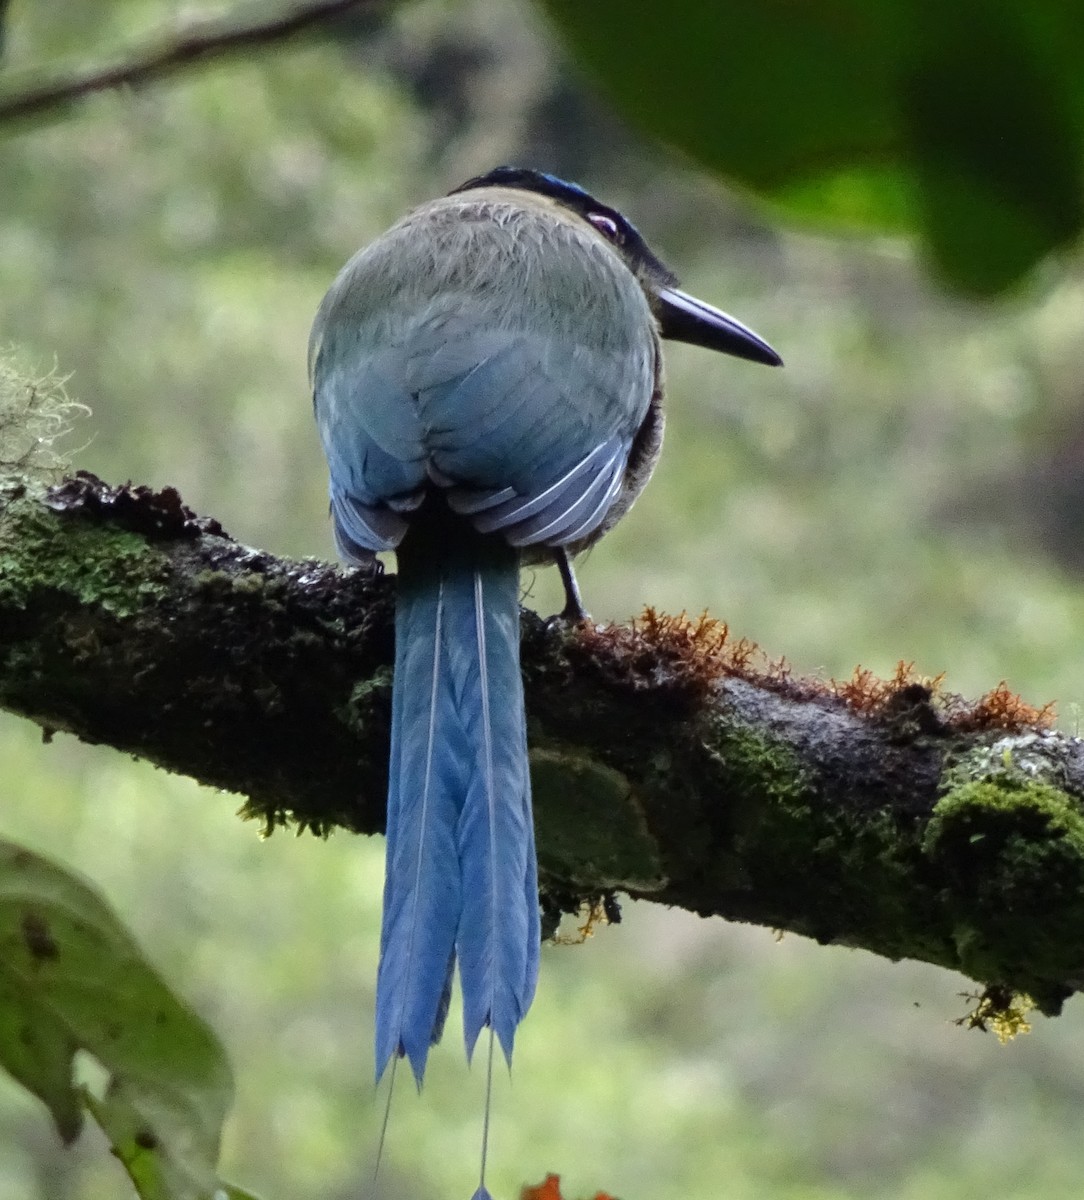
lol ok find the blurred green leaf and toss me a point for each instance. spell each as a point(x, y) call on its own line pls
point(157, 1170)
point(959, 123)
point(72, 978)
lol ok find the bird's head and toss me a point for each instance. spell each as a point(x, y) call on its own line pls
point(681, 317)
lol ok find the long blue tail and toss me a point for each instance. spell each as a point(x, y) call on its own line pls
point(461, 875)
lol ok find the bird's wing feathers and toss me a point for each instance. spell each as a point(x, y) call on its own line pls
point(363, 529)
point(372, 443)
point(498, 417)
point(569, 508)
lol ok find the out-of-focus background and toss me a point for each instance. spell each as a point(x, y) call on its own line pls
point(910, 487)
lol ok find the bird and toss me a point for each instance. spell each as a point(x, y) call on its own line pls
point(487, 383)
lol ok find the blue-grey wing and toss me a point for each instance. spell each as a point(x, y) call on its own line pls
point(376, 465)
point(508, 438)
point(568, 509)
point(499, 419)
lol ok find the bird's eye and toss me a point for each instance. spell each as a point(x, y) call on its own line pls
point(607, 226)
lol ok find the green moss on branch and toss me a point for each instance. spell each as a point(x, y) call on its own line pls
point(879, 814)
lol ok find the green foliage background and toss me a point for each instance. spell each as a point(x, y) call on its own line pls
point(963, 123)
point(895, 493)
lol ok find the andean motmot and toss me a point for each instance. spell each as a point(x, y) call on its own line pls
point(487, 381)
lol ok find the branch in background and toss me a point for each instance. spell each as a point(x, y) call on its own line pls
point(668, 761)
point(185, 46)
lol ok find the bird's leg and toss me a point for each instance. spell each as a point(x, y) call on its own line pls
point(573, 609)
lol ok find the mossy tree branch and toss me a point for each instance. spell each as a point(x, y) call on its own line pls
point(665, 762)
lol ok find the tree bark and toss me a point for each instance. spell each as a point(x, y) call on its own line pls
point(668, 761)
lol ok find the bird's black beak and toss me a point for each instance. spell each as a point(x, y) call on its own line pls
point(683, 318)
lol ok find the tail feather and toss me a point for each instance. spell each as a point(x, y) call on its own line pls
point(498, 936)
point(461, 875)
point(422, 886)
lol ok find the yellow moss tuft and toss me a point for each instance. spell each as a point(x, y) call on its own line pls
point(999, 1011)
point(592, 914)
